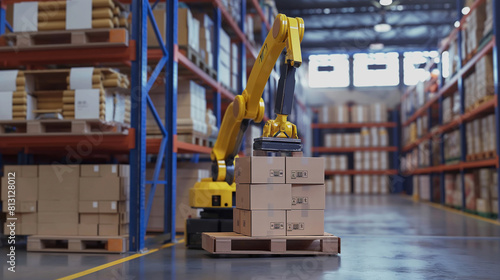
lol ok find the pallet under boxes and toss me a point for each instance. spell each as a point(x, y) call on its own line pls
point(235, 243)
point(78, 244)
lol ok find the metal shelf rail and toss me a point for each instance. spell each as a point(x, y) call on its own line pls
point(456, 83)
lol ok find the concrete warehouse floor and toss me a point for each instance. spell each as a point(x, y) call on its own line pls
point(383, 237)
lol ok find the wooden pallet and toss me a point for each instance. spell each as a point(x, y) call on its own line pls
point(63, 39)
point(234, 243)
point(196, 58)
point(481, 156)
point(193, 138)
point(78, 244)
point(59, 127)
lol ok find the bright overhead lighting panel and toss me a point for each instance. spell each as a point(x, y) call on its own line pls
point(385, 2)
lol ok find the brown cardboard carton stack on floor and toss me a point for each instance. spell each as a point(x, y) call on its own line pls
point(22, 182)
point(279, 196)
point(103, 205)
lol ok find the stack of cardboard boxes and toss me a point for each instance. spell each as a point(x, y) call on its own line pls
point(371, 184)
point(340, 184)
point(189, 30)
point(20, 182)
point(452, 146)
point(234, 67)
point(473, 29)
point(279, 196)
point(103, 204)
point(481, 136)
point(191, 108)
point(479, 85)
point(70, 200)
point(225, 59)
point(373, 137)
point(206, 39)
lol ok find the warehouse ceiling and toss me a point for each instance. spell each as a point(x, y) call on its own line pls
point(348, 25)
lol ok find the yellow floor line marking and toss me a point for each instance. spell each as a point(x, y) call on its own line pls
point(439, 206)
point(113, 263)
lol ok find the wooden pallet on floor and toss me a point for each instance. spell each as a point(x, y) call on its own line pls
point(63, 39)
point(78, 244)
point(59, 127)
point(234, 243)
point(196, 58)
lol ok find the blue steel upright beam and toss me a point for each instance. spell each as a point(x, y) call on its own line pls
point(441, 150)
point(461, 91)
point(137, 225)
point(496, 76)
point(171, 120)
point(3, 20)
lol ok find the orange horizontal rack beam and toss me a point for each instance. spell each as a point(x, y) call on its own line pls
point(455, 167)
point(487, 106)
point(69, 55)
point(353, 149)
point(361, 172)
point(352, 125)
point(452, 84)
point(153, 146)
point(73, 144)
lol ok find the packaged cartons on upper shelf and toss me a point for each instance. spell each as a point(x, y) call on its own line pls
point(63, 15)
point(76, 93)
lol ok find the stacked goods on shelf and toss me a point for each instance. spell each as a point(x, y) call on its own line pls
point(76, 93)
point(484, 82)
point(487, 194)
point(211, 121)
point(234, 8)
point(413, 132)
point(191, 110)
point(473, 30)
point(371, 161)
point(234, 67)
point(451, 108)
point(17, 102)
point(249, 26)
point(19, 199)
point(452, 146)
point(225, 59)
point(356, 114)
point(436, 153)
point(453, 190)
point(160, 15)
point(103, 206)
point(422, 126)
point(338, 184)
point(336, 162)
point(454, 57)
point(366, 184)
point(206, 39)
point(423, 154)
point(188, 30)
point(481, 138)
point(488, 23)
point(424, 187)
point(274, 197)
point(61, 15)
point(187, 175)
point(373, 137)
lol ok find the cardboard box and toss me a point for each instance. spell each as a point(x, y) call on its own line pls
point(346, 184)
point(101, 188)
point(20, 228)
point(25, 188)
point(58, 182)
point(104, 170)
point(88, 229)
point(160, 17)
point(263, 196)
point(305, 222)
point(123, 229)
point(260, 170)
point(27, 171)
point(21, 206)
point(58, 217)
point(483, 205)
point(57, 205)
point(89, 218)
point(309, 196)
point(109, 230)
point(305, 170)
point(88, 206)
point(236, 220)
point(111, 219)
point(27, 218)
point(109, 206)
point(263, 222)
point(494, 206)
point(57, 229)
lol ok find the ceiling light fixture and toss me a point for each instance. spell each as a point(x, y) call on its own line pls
point(457, 24)
point(385, 2)
point(376, 46)
point(465, 10)
point(382, 26)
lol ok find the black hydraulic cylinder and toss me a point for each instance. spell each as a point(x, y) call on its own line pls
point(286, 89)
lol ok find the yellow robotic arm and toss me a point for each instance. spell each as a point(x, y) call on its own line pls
point(217, 191)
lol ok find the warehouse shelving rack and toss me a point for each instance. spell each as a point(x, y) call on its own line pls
point(393, 126)
point(446, 88)
point(136, 55)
